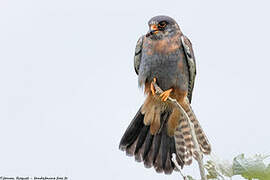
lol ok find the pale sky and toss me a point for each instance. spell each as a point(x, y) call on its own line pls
point(68, 89)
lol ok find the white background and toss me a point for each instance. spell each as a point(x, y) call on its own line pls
point(68, 89)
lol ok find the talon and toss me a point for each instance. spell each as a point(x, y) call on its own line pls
point(164, 96)
point(152, 87)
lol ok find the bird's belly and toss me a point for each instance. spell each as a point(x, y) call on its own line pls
point(166, 69)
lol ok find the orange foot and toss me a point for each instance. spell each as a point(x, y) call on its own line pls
point(164, 96)
point(152, 87)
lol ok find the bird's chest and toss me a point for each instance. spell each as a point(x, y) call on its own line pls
point(161, 57)
point(163, 60)
point(162, 47)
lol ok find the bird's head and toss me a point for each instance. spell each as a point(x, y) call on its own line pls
point(161, 27)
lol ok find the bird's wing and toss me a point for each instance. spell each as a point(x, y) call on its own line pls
point(190, 58)
point(138, 54)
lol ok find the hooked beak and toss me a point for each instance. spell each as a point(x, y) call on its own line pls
point(153, 30)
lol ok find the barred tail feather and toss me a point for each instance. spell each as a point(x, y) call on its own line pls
point(201, 137)
point(183, 141)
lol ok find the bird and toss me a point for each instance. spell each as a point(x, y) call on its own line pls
point(164, 55)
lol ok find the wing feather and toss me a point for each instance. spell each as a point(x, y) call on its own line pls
point(190, 58)
point(138, 55)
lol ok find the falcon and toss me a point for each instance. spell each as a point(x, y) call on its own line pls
point(164, 56)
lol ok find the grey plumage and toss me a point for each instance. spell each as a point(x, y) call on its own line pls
point(165, 69)
point(191, 63)
point(138, 54)
point(158, 130)
point(164, 66)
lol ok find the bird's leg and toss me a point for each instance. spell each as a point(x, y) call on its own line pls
point(153, 90)
point(164, 96)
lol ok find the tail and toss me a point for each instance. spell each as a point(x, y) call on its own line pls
point(205, 146)
point(183, 138)
point(154, 150)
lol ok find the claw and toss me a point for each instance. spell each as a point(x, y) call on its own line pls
point(152, 87)
point(164, 96)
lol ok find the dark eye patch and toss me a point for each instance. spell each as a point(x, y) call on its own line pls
point(162, 25)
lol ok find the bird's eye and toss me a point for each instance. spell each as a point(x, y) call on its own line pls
point(162, 25)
